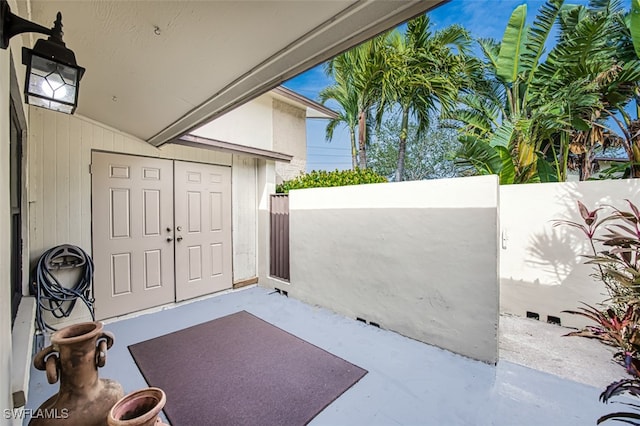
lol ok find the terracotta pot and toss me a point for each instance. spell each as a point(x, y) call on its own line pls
point(139, 408)
point(74, 356)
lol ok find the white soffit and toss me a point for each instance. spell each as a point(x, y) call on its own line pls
point(157, 69)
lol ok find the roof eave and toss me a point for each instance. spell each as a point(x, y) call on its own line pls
point(218, 145)
point(314, 109)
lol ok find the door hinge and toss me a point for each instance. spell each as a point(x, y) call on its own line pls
point(90, 169)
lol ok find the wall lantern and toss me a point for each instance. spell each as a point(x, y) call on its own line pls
point(53, 76)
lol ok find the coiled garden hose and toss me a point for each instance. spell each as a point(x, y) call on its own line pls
point(53, 296)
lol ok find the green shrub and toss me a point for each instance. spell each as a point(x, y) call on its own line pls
point(322, 179)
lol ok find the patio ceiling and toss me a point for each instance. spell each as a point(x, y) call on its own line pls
point(158, 69)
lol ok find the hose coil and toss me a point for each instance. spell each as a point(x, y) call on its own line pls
point(53, 296)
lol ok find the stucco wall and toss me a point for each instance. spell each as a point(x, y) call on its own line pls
point(266, 187)
point(249, 124)
point(289, 137)
point(541, 268)
point(244, 217)
point(265, 123)
point(418, 258)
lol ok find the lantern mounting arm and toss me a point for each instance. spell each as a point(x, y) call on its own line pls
point(11, 25)
point(53, 75)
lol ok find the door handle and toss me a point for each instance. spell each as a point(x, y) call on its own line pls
point(179, 239)
point(169, 239)
point(179, 228)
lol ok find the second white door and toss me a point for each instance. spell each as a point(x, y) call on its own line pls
point(202, 229)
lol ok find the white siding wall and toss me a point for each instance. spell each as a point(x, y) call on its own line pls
point(250, 125)
point(5, 240)
point(60, 183)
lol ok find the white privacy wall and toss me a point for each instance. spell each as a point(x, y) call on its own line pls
point(419, 258)
point(541, 268)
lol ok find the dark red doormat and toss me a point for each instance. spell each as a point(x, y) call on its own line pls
point(241, 370)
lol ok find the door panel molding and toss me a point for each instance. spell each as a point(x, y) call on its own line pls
point(132, 209)
point(203, 229)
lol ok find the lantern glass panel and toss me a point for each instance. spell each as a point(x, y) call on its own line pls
point(52, 80)
point(49, 104)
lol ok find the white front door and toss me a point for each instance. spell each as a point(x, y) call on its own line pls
point(203, 229)
point(132, 221)
point(161, 231)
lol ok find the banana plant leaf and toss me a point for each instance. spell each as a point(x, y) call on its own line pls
point(503, 135)
point(634, 25)
point(546, 172)
point(480, 155)
point(513, 44)
point(507, 170)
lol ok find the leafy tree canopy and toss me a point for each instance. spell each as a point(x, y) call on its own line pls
point(429, 154)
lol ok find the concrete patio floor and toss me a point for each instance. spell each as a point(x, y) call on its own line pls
point(541, 379)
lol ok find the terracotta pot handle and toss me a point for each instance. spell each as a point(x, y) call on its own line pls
point(39, 360)
point(52, 369)
point(105, 341)
point(108, 337)
point(47, 360)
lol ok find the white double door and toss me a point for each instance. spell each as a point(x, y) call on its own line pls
point(161, 231)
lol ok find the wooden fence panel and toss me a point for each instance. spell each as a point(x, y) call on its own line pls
point(279, 244)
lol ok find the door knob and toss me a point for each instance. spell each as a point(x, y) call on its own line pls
point(169, 239)
point(179, 239)
point(179, 228)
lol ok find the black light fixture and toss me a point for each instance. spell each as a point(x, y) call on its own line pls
point(53, 75)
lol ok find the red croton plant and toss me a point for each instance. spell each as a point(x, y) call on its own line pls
point(615, 246)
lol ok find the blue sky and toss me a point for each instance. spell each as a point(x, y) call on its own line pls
point(483, 18)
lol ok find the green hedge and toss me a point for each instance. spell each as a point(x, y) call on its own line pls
point(322, 178)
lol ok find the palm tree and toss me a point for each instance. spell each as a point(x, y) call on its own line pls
point(345, 96)
point(355, 72)
point(421, 75)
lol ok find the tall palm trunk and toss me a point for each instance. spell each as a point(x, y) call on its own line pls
point(362, 138)
point(402, 145)
point(354, 149)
